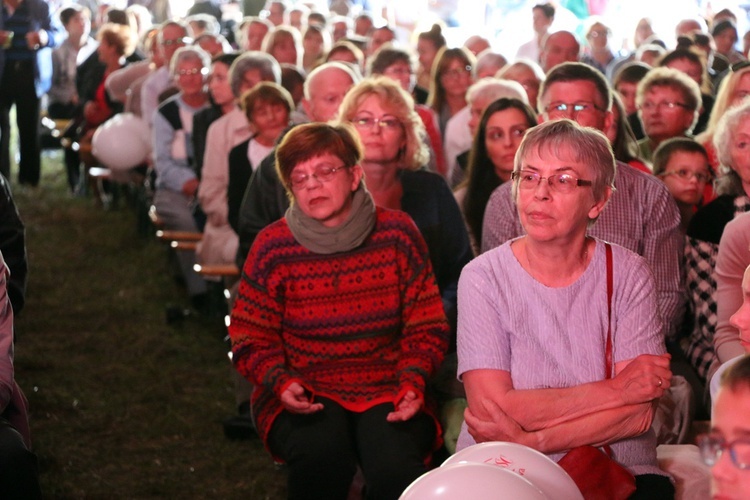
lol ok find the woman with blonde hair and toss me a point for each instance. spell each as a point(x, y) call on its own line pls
point(394, 153)
point(734, 88)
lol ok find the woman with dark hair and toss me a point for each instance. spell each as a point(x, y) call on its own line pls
point(498, 136)
point(285, 45)
point(624, 143)
point(351, 331)
point(316, 42)
point(428, 44)
point(452, 74)
point(222, 102)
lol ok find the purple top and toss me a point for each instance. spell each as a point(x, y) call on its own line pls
point(555, 337)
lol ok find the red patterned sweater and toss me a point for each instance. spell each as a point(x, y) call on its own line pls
point(360, 327)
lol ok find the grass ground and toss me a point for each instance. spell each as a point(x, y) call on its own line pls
point(122, 404)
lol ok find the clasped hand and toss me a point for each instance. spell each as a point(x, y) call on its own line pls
point(296, 400)
point(644, 379)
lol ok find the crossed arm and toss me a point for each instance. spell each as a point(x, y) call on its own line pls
point(552, 420)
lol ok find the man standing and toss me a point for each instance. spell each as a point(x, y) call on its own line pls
point(27, 37)
point(641, 215)
point(544, 15)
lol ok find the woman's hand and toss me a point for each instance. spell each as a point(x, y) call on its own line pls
point(409, 405)
point(296, 400)
point(499, 427)
point(644, 379)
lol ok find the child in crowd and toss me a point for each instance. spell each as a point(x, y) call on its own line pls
point(683, 165)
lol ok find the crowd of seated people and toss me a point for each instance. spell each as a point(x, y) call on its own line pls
point(522, 164)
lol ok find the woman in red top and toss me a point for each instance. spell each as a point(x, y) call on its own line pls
point(339, 324)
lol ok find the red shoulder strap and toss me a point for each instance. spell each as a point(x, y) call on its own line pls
point(608, 351)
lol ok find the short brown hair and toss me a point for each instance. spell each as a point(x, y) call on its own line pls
point(119, 36)
point(267, 92)
point(671, 146)
point(311, 140)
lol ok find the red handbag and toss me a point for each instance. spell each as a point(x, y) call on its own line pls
point(593, 470)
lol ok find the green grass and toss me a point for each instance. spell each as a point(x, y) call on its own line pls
point(122, 404)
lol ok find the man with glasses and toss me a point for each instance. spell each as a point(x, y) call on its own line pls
point(668, 104)
point(172, 35)
point(641, 214)
point(726, 449)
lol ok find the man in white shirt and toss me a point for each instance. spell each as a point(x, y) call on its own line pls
point(544, 15)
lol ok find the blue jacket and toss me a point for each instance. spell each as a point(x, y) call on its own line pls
point(41, 20)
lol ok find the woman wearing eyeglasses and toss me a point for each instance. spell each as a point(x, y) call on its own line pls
point(176, 181)
point(339, 325)
point(392, 135)
point(534, 321)
point(452, 75)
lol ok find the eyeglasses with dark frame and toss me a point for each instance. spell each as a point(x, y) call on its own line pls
point(561, 183)
point(321, 174)
point(713, 445)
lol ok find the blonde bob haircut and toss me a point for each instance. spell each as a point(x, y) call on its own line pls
point(398, 103)
point(567, 140)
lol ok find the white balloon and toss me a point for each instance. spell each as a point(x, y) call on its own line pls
point(536, 467)
point(122, 142)
point(471, 481)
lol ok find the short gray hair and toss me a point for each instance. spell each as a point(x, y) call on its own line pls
point(191, 53)
point(729, 181)
point(585, 145)
point(343, 67)
point(496, 88)
point(269, 69)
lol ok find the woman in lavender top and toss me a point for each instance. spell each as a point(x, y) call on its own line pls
point(533, 318)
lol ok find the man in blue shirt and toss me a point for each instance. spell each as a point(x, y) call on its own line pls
point(27, 37)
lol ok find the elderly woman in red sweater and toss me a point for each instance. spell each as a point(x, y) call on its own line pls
point(339, 324)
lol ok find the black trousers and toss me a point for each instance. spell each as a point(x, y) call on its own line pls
point(323, 450)
point(17, 88)
point(19, 477)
